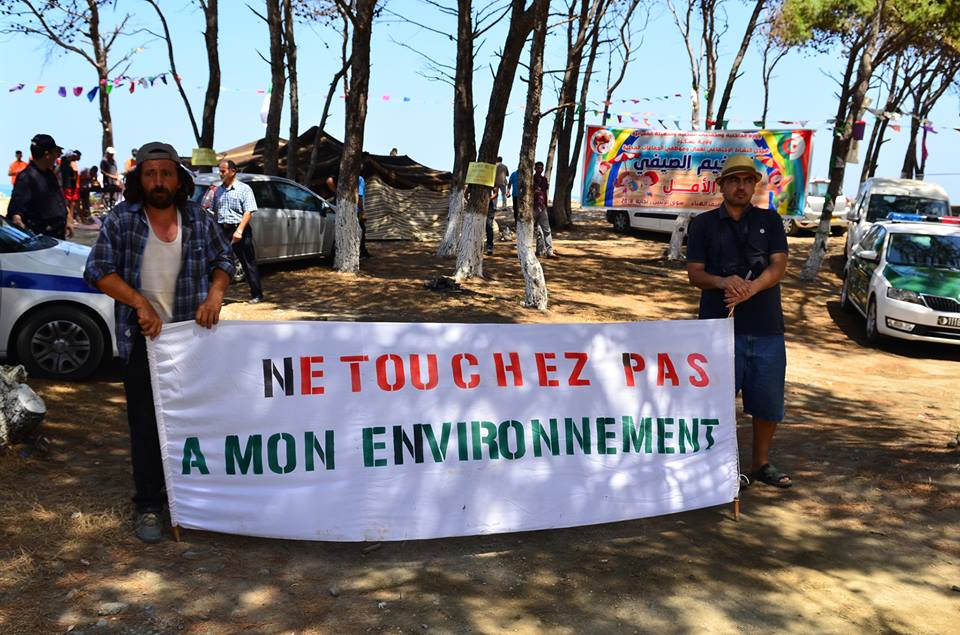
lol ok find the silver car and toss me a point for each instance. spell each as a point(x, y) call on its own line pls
point(291, 221)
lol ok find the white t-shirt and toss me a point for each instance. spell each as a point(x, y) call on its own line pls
point(160, 269)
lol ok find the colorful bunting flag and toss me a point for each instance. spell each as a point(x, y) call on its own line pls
point(77, 91)
point(92, 93)
point(62, 91)
point(39, 89)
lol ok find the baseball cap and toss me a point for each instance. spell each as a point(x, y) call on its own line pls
point(157, 150)
point(44, 142)
point(736, 164)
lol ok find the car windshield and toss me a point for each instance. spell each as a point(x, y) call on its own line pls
point(818, 189)
point(882, 205)
point(13, 239)
point(918, 250)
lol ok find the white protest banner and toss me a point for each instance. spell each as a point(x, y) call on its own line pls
point(386, 431)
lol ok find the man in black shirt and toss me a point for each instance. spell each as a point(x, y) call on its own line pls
point(737, 255)
point(37, 201)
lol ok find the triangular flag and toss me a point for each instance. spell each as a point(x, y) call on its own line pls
point(77, 91)
point(895, 127)
point(143, 82)
point(14, 89)
point(406, 99)
point(676, 124)
point(62, 91)
point(386, 98)
point(758, 123)
point(92, 93)
point(163, 78)
point(39, 89)
point(108, 88)
point(133, 86)
point(619, 118)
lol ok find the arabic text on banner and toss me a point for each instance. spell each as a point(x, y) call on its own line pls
point(678, 169)
point(384, 431)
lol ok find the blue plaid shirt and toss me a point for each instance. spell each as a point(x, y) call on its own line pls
point(230, 203)
point(119, 249)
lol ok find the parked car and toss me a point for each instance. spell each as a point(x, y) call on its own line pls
point(904, 278)
point(291, 221)
point(50, 320)
point(813, 207)
point(880, 197)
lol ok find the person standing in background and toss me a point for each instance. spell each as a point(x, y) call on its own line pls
point(500, 182)
point(37, 202)
point(18, 166)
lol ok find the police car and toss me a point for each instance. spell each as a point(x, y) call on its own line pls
point(51, 321)
point(903, 276)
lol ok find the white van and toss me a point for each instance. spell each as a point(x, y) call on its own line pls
point(879, 197)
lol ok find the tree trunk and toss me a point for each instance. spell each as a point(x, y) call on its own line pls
point(841, 144)
point(173, 70)
point(552, 150)
point(675, 251)
point(347, 258)
point(464, 128)
point(318, 138)
point(451, 232)
point(909, 167)
point(290, 46)
point(735, 68)
point(210, 35)
point(534, 284)
point(102, 66)
point(271, 145)
point(708, 8)
point(589, 16)
point(469, 256)
point(21, 410)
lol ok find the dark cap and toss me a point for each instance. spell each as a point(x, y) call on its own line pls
point(44, 142)
point(157, 150)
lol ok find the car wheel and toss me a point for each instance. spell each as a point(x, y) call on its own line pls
point(239, 275)
point(790, 227)
point(621, 222)
point(873, 332)
point(845, 302)
point(60, 342)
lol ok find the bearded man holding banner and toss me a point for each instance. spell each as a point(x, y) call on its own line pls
point(163, 259)
point(737, 255)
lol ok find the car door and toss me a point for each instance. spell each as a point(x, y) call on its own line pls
point(304, 219)
point(861, 270)
point(268, 224)
point(859, 280)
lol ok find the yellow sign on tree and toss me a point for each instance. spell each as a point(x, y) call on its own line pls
point(203, 156)
point(481, 174)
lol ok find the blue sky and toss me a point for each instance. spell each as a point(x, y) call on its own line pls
point(422, 126)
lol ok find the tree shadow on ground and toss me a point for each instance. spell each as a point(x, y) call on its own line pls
point(865, 540)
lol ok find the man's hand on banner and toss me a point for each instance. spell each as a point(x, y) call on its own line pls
point(150, 322)
point(208, 313)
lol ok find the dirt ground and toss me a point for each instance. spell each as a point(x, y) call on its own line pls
point(866, 541)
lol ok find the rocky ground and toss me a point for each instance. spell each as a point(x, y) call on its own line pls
point(866, 541)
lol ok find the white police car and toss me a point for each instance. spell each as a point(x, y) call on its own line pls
point(904, 277)
point(50, 320)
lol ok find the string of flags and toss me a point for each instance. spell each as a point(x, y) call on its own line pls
point(638, 118)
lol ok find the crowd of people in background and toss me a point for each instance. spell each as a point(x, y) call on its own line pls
point(83, 190)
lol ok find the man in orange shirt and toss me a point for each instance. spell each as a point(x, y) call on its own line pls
point(131, 163)
point(18, 166)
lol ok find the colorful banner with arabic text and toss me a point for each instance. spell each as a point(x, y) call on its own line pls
point(626, 167)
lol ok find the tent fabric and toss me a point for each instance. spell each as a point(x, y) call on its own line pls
point(404, 214)
point(399, 172)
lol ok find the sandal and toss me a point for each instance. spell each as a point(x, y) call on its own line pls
point(770, 475)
